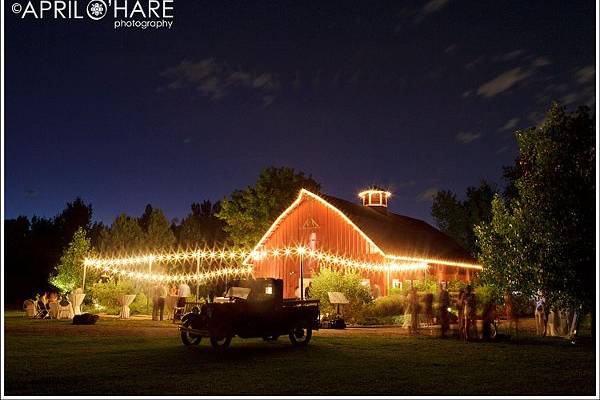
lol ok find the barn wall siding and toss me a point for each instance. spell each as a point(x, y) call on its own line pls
point(333, 235)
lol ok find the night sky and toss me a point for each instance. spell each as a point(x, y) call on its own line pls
point(414, 96)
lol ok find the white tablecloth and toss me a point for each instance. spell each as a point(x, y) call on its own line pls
point(65, 311)
point(125, 301)
point(76, 300)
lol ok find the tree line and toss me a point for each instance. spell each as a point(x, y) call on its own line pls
point(37, 248)
point(537, 236)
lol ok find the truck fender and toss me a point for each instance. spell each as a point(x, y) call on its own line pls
point(193, 318)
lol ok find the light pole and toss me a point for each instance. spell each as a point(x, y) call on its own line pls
point(197, 278)
point(302, 275)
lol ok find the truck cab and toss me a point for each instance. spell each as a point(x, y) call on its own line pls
point(251, 308)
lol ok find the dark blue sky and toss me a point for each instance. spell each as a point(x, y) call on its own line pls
point(416, 96)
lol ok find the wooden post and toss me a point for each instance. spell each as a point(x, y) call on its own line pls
point(302, 277)
point(197, 279)
point(84, 272)
point(147, 297)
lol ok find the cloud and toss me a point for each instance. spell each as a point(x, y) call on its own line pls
point(467, 137)
point(216, 79)
point(430, 7)
point(586, 74)
point(509, 56)
point(31, 193)
point(451, 49)
point(509, 125)
point(427, 194)
point(541, 62)
point(501, 149)
point(503, 82)
point(434, 6)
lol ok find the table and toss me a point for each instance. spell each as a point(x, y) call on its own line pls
point(170, 304)
point(65, 311)
point(125, 301)
point(76, 300)
point(53, 309)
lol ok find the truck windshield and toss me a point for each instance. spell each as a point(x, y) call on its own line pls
point(239, 292)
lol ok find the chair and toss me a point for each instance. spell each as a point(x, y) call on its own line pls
point(65, 310)
point(53, 309)
point(41, 311)
point(29, 308)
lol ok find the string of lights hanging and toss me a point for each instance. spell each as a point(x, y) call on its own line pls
point(122, 265)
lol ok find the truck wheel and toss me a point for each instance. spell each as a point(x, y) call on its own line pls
point(187, 338)
point(220, 343)
point(300, 336)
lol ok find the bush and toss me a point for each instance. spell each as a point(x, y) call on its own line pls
point(484, 295)
point(383, 311)
point(105, 295)
point(348, 283)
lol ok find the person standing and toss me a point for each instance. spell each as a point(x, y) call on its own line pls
point(540, 316)
point(414, 311)
point(182, 293)
point(444, 302)
point(307, 291)
point(159, 296)
point(512, 316)
point(428, 303)
point(460, 305)
point(469, 313)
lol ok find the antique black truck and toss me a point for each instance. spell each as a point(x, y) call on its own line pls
point(251, 308)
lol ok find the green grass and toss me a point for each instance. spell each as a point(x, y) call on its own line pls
point(144, 357)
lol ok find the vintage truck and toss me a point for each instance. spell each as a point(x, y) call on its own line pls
point(251, 308)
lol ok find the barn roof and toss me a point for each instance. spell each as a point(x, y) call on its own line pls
point(401, 235)
point(394, 235)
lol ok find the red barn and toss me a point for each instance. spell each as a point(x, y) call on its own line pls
point(388, 249)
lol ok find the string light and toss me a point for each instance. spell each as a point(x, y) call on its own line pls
point(187, 277)
point(119, 265)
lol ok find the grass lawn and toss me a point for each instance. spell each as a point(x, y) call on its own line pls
point(118, 357)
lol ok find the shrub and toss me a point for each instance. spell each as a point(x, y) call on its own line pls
point(105, 295)
point(348, 283)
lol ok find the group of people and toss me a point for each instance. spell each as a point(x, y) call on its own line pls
point(159, 297)
point(466, 304)
point(42, 303)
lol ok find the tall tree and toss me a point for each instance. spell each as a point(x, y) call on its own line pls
point(201, 226)
point(158, 234)
point(544, 238)
point(457, 218)
point(124, 235)
point(249, 212)
point(76, 215)
point(68, 274)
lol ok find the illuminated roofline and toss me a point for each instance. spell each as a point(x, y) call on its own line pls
point(304, 192)
point(435, 261)
point(364, 193)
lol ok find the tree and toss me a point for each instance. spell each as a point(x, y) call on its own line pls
point(248, 213)
point(457, 218)
point(68, 274)
point(544, 238)
point(347, 282)
point(201, 226)
point(158, 234)
point(124, 235)
point(75, 215)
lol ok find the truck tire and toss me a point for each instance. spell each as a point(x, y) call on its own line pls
point(187, 338)
point(300, 336)
point(220, 343)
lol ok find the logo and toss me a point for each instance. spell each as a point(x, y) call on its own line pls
point(125, 14)
point(96, 9)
